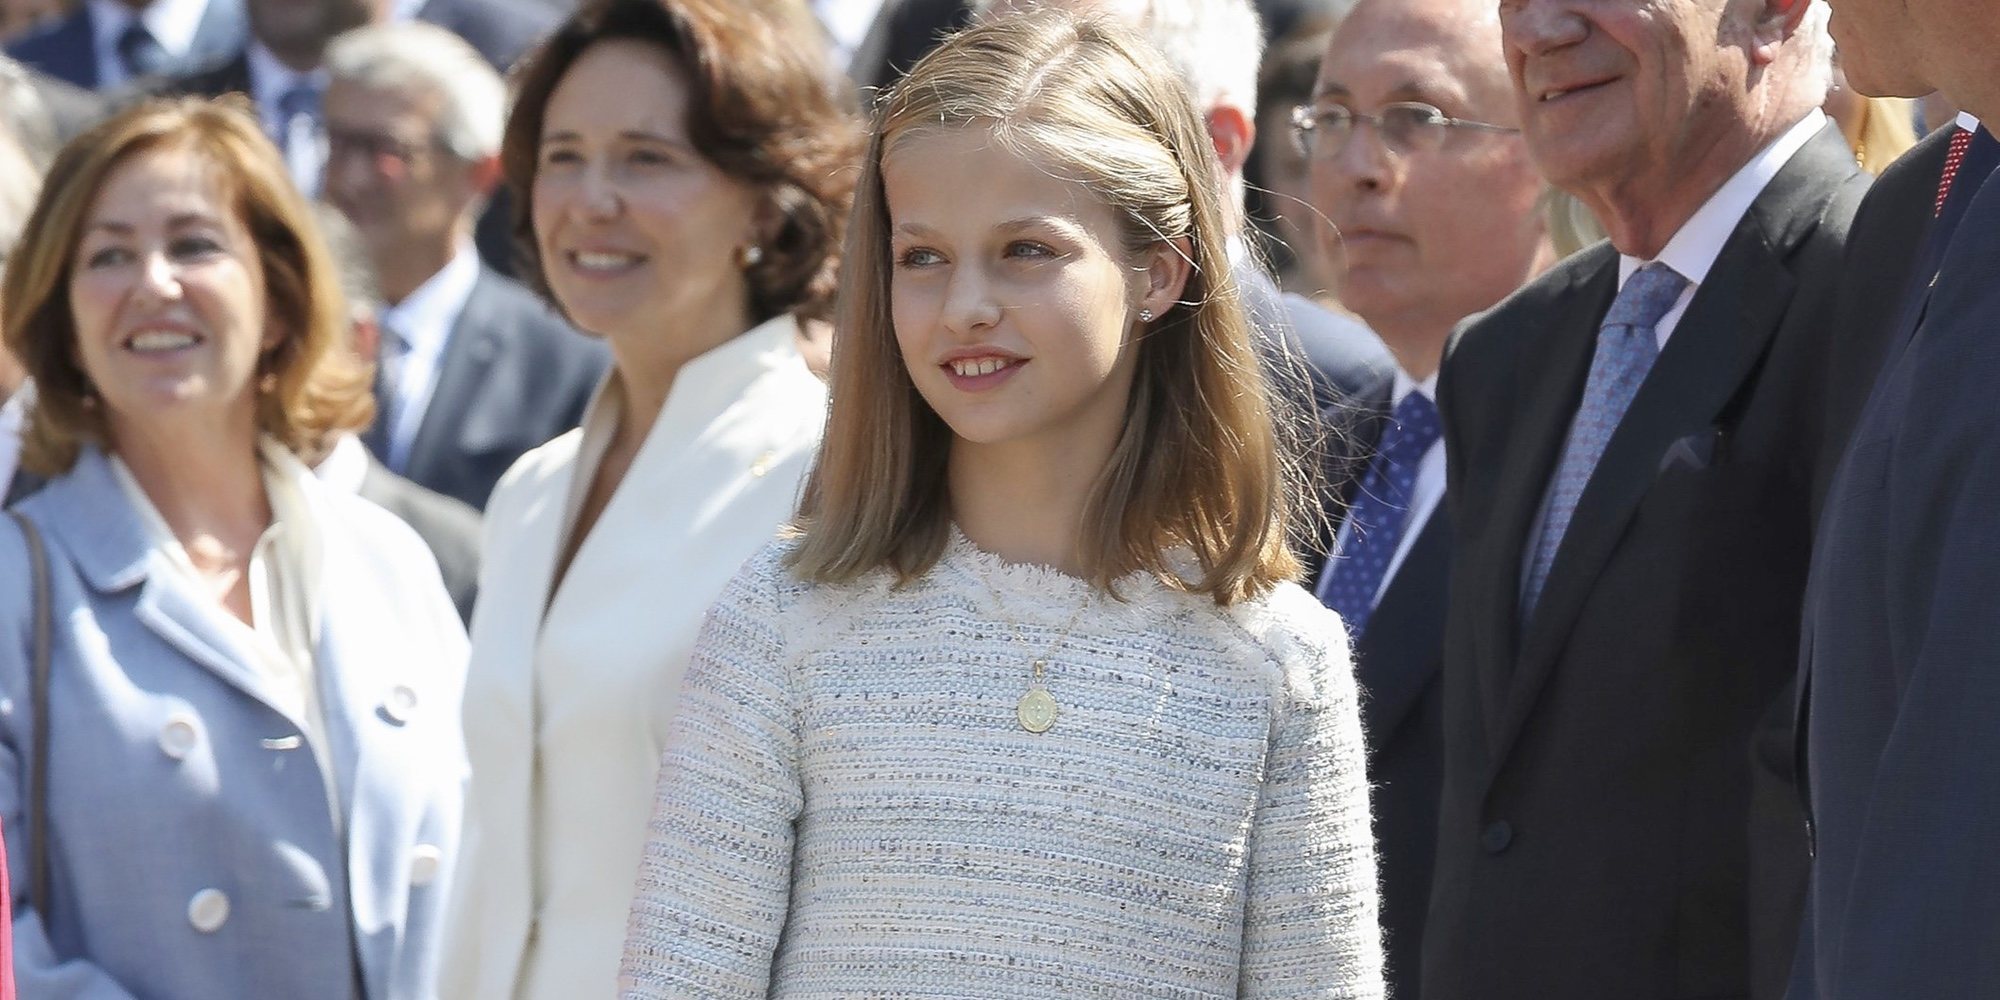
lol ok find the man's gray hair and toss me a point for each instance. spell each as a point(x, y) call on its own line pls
point(415, 56)
point(1215, 45)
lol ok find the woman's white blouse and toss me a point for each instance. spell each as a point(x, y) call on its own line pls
point(569, 694)
point(849, 807)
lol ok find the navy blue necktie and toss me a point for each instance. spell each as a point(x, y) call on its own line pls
point(1381, 513)
point(142, 54)
point(1627, 344)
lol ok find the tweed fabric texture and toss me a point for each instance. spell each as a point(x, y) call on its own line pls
point(1626, 348)
point(848, 807)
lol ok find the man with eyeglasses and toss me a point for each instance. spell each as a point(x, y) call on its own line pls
point(1632, 442)
point(1413, 157)
point(472, 369)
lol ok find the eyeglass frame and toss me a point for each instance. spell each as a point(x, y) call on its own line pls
point(377, 145)
point(1305, 119)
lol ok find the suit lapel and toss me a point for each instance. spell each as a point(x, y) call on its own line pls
point(1554, 365)
point(461, 372)
point(1352, 429)
point(1716, 347)
point(1399, 654)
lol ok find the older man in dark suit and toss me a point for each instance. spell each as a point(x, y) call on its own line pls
point(474, 369)
point(1631, 442)
point(1901, 645)
point(1415, 158)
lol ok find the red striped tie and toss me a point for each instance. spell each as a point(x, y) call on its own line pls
point(1960, 140)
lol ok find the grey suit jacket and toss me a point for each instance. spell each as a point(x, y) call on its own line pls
point(190, 846)
point(449, 528)
point(513, 377)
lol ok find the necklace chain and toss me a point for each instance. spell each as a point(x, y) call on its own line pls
point(1036, 710)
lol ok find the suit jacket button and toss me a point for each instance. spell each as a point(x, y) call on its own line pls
point(1497, 835)
point(401, 704)
point(208, 910)
point(179, 737)
point(425, 860)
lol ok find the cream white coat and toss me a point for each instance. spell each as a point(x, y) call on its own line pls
point(570, 693)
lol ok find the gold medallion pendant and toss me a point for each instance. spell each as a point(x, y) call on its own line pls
point(1037, 710)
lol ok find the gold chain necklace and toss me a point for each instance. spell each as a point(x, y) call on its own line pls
point(1037, 708)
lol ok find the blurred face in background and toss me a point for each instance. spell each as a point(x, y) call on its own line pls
point(389, 173)
point(1433, 222)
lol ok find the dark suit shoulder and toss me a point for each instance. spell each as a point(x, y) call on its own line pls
point(1495, 333)
point(225, 75)
point(526, 321)
point(61, 49)
point(501, 30)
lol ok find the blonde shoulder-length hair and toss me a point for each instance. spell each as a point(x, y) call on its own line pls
point(311, 387)
point(1198, 468)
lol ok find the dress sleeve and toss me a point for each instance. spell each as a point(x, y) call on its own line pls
point(1310, 923)
point(715, 884)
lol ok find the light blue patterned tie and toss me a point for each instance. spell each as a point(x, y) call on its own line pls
point(1626, 346)
point(1381, 513)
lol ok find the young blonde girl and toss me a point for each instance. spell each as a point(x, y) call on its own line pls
point(1028, 706)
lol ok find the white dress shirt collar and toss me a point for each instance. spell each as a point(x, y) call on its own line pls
point(1695, 246)
point(345, 465)
point(271, 79)
point(425, 319)
point(172, 23)
point(1404, 385)
point(13, 419)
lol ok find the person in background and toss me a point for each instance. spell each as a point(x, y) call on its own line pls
point(1632, 440)
point(502, 31)
point(1879, 129)
point(281, 69)
point(20, 183)
point(1216, 46)
point(1292, 230)
point(1029, 707)
point(449, 527)
point(688, 171)
point(473, 370)
point(1416, 159)
point(104, 44)
point(1899, 644)
point(254, 769)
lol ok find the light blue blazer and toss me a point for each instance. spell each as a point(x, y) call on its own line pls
point(193, 854)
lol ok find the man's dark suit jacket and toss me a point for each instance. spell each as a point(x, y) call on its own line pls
point(448, 527)
point(502, 30)
point(513, 376)
point(1901, 650)
point(65, 48)
point(1617, 817)
point(1398, 664)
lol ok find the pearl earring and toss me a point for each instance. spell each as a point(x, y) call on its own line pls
point(751, 256)
point(1145, 315)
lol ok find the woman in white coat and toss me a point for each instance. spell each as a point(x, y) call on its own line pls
point(687, 172)
point(249, 736)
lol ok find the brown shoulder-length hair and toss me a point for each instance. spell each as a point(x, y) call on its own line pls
point(765, 107)
point(1198, 467)
point(311, 387)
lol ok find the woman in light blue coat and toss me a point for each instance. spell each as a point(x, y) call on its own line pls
point(254, 765)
